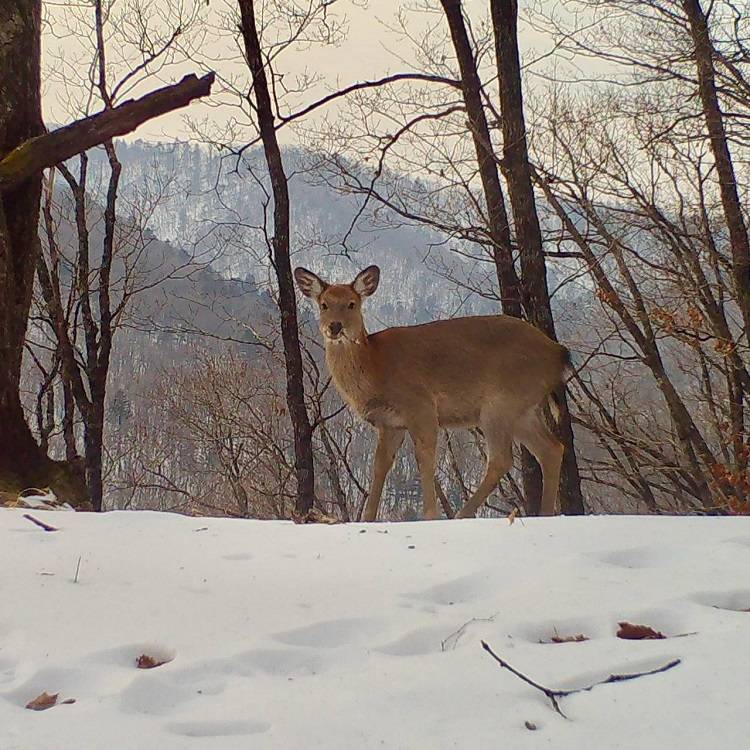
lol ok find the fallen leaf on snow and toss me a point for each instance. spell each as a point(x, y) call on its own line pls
point(45, 700)
point(631, 632)
point(144, 661)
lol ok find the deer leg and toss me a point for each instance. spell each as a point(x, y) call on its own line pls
point(390, 439)
point(499, 461)
point(534, 433)
point(424, 435)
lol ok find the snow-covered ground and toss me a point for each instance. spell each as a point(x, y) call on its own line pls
point(354, 636)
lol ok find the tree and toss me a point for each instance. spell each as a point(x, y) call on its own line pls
point(703, 54)
point(304, 467)
point(515, 165)
point(25, 151)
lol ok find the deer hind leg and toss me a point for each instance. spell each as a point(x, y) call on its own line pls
point(424, 433)
point(533, 432)
point(390, 439)
point(499, 462)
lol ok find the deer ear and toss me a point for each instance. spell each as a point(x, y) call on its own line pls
point(309, 284)
point(367, 281)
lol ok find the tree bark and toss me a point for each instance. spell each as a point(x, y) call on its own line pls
point(703, 52)
point(295, 393)
point(20, 119)
point(497, 216)
point(517, 172)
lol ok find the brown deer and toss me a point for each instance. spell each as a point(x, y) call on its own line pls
point(495, 372)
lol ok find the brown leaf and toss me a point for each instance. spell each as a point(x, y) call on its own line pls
point(144, 661)
point(631, 632)
point(43, 701)
point(579, 638)
point(512, 516)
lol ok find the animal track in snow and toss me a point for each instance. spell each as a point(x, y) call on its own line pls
point(733, 601)
point(67, 681)
point(416, 643)
point(278, 662)
point(7, 669)
point(562, 628)
point(633, 557)
point(456, 591)
point(127, 656)
point(743, 541)
point(217, 728)
point(328, 633)
point(151, 694)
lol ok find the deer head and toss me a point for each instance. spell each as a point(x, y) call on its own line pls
point(339, 305)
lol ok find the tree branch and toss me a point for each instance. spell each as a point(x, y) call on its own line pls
point(553, 695)
point(49, 149)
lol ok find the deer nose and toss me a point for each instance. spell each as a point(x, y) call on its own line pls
point(335, 328)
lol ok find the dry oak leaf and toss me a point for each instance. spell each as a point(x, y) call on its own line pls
point(631, 632)
point(144, 661)
point(45, 700)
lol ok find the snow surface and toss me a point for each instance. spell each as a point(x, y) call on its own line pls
point(368, 636)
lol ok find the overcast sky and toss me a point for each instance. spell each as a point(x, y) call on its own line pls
point(369, 51)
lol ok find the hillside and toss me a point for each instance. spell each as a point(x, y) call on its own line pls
point(353, 636)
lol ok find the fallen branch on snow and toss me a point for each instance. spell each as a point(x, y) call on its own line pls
point(553, 695)
point(39, 523)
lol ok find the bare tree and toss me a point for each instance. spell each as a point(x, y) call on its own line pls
point(24, 153)
point(304, 467)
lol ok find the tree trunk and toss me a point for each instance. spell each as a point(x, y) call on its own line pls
point(738, 237)
point(295, 393)
point(22, 462)
point(517, 172)
point(497, 216)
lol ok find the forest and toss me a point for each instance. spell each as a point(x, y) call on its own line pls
point(580, 165)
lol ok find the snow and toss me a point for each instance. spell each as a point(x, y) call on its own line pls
point(368, 636)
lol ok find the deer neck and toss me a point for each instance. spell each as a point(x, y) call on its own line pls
point(351, 366)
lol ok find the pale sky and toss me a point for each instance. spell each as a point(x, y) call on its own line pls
point(369, 51)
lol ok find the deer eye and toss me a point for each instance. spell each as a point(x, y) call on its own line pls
point(323, 306)
point(351, 305)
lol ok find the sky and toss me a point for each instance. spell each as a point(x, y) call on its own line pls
point(369, 50)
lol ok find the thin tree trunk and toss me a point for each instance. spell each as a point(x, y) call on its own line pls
point(738, 236)
point(497, 216)
point(517, 172)
point(295, 393)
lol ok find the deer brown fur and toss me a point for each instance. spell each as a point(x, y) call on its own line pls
point(495, 372)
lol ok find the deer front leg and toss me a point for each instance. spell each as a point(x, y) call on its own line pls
point(389, 441)
point(425, 434)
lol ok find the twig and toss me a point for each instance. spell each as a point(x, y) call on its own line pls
point(553, 695)
point(39, 523)
point(456, 635)
point(78, 567)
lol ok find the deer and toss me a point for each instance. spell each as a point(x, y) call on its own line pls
point(495, 372)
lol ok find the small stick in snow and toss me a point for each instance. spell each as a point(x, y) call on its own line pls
point(39, 523)
point(78, 567)
point(553, 695)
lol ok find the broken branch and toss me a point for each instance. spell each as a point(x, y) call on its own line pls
point(36, 154)
point(553, 695)
point(39, 523)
